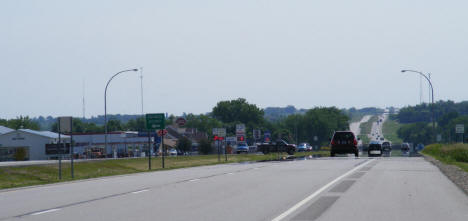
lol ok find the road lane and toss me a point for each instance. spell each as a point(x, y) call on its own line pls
point(383, 189)
point(392, 189)
point(249, 191)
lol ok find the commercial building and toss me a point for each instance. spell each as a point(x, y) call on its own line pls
point(120, 144)
point(26, 144)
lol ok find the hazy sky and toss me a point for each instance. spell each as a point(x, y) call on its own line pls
point(195, 53)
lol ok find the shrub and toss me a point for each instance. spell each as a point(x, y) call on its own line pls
point(204, 146)
point(454, 152)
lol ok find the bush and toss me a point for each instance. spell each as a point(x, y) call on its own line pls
point(204, 146)
point(454, 152)
point(184, 144)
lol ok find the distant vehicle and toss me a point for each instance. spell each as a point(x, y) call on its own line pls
point(304, 147)
point(420, 147)
point(242, 147)
point(375, 149)
point(278, 146)
point(173, 152)
point(386, 146)
point(344, 142)
point(405, 147)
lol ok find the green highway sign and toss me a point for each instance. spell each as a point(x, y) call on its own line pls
point(155, 121)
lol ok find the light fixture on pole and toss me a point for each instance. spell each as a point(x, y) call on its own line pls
point(432, 93)
point(105, 104)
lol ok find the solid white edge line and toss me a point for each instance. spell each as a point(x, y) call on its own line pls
point(45, 211)
point(140, 191)
point(316, 193)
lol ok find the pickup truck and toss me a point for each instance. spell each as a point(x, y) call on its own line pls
point(278, 146)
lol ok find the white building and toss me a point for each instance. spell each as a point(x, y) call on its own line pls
point(4, 130)
point(32, 142)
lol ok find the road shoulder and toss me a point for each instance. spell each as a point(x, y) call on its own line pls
point(452, 172)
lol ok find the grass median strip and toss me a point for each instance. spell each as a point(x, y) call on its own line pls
point(20, 176)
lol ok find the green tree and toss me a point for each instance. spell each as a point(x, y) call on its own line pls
point(204, 146)
point(138, 124)
point(184, 144)
point(415, 133)
point(202, 123)
point(22, 123)
point(114, 125)
point(238, 111)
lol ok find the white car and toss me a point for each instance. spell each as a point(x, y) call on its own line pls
point(173, 152)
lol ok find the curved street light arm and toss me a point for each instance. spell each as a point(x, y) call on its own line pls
point(105, 103)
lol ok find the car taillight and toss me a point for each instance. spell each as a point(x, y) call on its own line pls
point(333, 142)
point(355, 142)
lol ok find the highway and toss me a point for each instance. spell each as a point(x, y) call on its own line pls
point(343, 188)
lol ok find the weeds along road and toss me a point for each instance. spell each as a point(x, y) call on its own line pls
point(343, 188)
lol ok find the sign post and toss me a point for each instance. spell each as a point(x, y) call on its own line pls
point(154, 122)
point(65, 126)
point(219, 134)
point(460, 129)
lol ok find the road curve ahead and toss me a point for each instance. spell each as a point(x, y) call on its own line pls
point(316, 189)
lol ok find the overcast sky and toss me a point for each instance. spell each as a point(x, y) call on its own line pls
point(197, 52)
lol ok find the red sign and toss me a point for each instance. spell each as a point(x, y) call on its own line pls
point(181, 121)
point(218, 138)
point(162, 132)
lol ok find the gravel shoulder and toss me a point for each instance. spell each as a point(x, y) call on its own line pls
point(454, 173)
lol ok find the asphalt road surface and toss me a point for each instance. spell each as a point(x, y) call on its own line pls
point(318, 189)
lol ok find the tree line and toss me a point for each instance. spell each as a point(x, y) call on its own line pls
point(301, 126)
point(417, 126)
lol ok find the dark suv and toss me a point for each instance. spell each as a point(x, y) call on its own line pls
point(375, 149)
point(344, 142)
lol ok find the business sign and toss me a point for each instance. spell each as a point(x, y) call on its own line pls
point(54, 149)
point(257, 134)
point(221, 132)
point(155, 121)
point(65, 124)
point(267, 136)
point(181, 121)
point(240, 129)
point(460, 128)
point(231, 139)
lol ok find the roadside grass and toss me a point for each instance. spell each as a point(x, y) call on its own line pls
point(364, 138)
point(356, 118)
point(454, 154)
point(20, 176)
point(366, 128)
point(389, 130)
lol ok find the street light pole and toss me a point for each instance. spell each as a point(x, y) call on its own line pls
point(432, 93)
point(105, 103)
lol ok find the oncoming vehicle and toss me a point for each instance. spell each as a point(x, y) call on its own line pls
point(386, 146)
point(242, 148)
point(375, 149)
point(405, 148)
point(344, 142)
